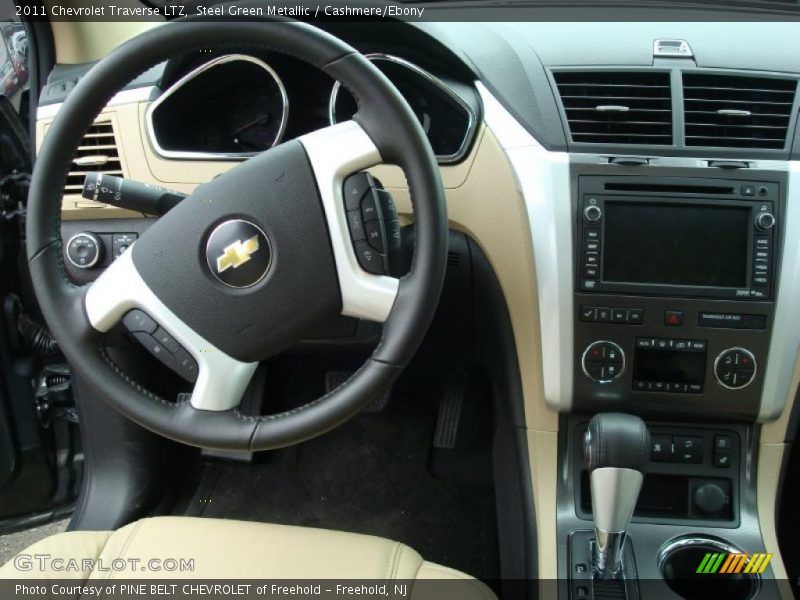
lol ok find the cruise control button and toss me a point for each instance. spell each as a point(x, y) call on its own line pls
point(375, 236)
point(185, 365)
point(136, 320)
point(370, 260)
point(166, 340)
point(356, 225)
point(354, 189)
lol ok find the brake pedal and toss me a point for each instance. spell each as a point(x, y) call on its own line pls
point(450, 411)
point(333, 379)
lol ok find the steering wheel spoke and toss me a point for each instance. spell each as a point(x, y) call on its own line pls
point(220, 380)
point(335, 153)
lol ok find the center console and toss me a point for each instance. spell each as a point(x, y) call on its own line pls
point(675, 280)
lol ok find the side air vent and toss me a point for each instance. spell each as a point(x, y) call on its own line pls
point(98, 152)
point(736, 111)
point(619, 107)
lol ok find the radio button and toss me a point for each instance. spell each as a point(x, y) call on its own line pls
point(588, 314)
point(619, 315)
point(748, 190)
point(591, 271)
point(592, 213)
point(591, 259)
point(589, 284)
point(635, 316)
point(592, 234)
point(592, 246)
point(765, 221)
point(604, 315)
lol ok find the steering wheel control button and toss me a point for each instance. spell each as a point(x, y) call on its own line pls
point(735, 368)
point(394, 236)
point(136, 321)
point(369, 207)
point(603, 361)
point(84, 250)
point(238, 253)
point(388, 208)
point(153, 347)
point(355, 187)
point(356, 225)
point(370, 259)
point(166, 340)
point(375, 236)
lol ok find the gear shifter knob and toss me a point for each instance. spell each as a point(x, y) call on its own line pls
point(616, 448)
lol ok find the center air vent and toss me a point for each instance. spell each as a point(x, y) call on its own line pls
point(617, 107)
point(97, 153)
point(737, 111)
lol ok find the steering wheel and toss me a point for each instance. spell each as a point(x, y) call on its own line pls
point(285, 204)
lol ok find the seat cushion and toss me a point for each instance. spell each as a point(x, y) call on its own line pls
point(191, 548)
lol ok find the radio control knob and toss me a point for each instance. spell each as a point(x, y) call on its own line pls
point(592, 213)
point(735, 368)
point(603, 361)
point(765, 220)
point(84, 250)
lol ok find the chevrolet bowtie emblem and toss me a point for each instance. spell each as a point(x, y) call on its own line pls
point(237, 254)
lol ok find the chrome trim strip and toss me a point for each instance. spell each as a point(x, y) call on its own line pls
point(143, 94)
point(191, 155)
point(543, 179)
point(221, 379)
point(472, 123)
point(784, 347)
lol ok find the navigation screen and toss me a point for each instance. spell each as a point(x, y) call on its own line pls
point(675, 244)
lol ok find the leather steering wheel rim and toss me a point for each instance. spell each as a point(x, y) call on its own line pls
point(383, 119)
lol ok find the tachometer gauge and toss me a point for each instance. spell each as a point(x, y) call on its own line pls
point(446, 119)
point(233, 106)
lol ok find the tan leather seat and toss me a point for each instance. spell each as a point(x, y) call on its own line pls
point(222, 549)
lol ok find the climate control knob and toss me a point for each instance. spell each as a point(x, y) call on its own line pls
point(765, 221)
point(84, 250)
point(603, 361)
point(735, 368)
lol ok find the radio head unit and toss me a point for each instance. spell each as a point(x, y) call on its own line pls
point(699, 238)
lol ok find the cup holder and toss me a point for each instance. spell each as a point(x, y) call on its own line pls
point(679, 560)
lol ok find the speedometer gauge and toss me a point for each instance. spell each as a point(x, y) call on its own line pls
point(234, 106)
point(444, 116)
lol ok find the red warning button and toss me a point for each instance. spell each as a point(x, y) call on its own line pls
point(673, 318)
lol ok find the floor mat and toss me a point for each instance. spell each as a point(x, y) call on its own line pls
point(12, 544)
point(368, 476)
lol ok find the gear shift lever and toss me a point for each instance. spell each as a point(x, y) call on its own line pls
point(616, 448)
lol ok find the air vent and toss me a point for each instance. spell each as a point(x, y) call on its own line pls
point(97, 153)
point(735, 111)
point(619, 107)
